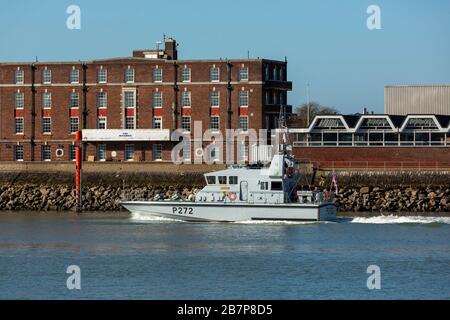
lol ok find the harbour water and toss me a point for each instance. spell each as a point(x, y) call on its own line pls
point(133, 258)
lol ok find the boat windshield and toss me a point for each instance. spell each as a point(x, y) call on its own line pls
point(211, 180)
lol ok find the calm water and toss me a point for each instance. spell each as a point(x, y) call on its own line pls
point(123, 258)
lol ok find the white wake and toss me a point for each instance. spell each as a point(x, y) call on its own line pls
point(401, 220)
point(146, 218)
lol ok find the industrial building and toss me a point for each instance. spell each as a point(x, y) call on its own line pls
point(128, 107)
point(424, 99)
point(375, 141)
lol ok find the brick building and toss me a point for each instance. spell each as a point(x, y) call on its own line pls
point(128, 107)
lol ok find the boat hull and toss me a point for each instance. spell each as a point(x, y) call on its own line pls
point(220, 212)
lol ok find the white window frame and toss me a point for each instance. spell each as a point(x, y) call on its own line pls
point(102, 100)
point(102, 73)
point(241, 127)
point(18, 105)
point(72, 152)
point(46, 150)
point(46, 100)
point(185, 124)
point(157, 150)
point(102, 120)
point(126, 101)
point(243, 71)
point(129, 75)
point(44, 125)
point(101, 150)
point(74, 76)
point(19, 122)
point(74, 100)
point(127, 152)
point(186, 75)
point(19, 76)
point(74, 125)
point(213, 72)
point(211, 102)
point(157, 75)
point(244, 96)
point(130, 123)
point(16, 152)
point(216, 121)
point(157, 123)
point(157, 100)
point(46, 76)
point(186, 99)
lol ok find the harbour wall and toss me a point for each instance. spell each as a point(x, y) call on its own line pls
point(358, 192)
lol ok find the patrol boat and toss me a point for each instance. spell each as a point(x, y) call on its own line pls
point(241, 194)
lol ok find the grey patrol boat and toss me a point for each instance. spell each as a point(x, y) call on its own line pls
point(242, 194)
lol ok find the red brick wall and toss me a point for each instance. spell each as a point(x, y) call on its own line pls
point(374, 154)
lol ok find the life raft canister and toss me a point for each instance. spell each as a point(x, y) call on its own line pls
point(232, 196)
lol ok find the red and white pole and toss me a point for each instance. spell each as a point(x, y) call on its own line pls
point(79, 168)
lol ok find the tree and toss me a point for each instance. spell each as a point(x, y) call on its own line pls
point(300, 118)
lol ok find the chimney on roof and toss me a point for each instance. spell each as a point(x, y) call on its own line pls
point(171, 49)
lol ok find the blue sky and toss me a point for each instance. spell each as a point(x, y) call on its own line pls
point(326, 41)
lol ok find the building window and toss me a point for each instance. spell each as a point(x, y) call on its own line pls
point(101, 152)
point(129, 75)
point(74, 76)
point(19, 100)
point(129, 152)
point(214, 99)
point(157, 123)
point(214, 74)
point(157, 99)
point(74, 125)
point(243, 152)
point(186, 75)
point(282, 73)
point(101, 123)
point(46, 100)
point(130, 99)
point(215, 156)
point(73, 152)
point(46, 76)
point(186, 124)
point(102, 100)
point(275, 73)
point(243, 99)
point(157, 152)
point(46, 125)
point(46, 153)
point(19, 127)
point(243, 74)
point(267, 72)
point(215, 123)
point(186, 99)
point(129, 123)
point(102, 75)
point(74, 100)
point(243, 123)
point(157, 75)
point(18, 153)
point(19, 77)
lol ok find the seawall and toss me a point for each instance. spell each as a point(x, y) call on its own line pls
point(371, 193)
